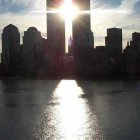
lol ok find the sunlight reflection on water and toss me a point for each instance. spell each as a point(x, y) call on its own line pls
point(69, 110)
point(68, 116)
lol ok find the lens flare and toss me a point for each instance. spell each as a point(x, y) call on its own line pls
point(68, 10)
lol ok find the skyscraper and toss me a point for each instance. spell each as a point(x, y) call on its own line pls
point(136, 41)
point(10, 48)
point(113, 42)
point(55, 37)
point(81, 27)
point(32, 48)
point(55, 26)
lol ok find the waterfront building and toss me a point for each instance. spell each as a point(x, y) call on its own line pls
point(81, 25)
point(10, 49)
point(55, 27)
point(32, 48)
point(113, 42)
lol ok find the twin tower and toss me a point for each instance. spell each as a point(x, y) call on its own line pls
point(81, 26)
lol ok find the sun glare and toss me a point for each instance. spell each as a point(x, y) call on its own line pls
point(68, 10)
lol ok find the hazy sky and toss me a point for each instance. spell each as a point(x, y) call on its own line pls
point(105, 14)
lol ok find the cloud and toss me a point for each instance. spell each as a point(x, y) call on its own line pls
point(128, 4)
point(19, 6)
point(137, 8)
point(105, 3)
point(122, 15)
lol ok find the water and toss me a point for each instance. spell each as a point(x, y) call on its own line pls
point(69, 110)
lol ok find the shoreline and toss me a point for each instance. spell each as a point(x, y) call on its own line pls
point(115, 78)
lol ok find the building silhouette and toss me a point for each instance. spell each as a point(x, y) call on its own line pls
point(130, 59)
point(113, 42)
point(136, 41)
point(10, 49)
point(102, 61)
point(46, 58)
point(81, 25)
point(55, 37)
point(55, 26)
point(83, 40)
point(32, 51)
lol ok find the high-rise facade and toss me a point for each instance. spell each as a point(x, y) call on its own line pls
point(136, 41)
point(55, 37)
point(81, 25)
point(113, 42)
point(55, 26)
point(32, 48)
point(10, 48)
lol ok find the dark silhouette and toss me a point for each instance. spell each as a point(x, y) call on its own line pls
point(46, 58)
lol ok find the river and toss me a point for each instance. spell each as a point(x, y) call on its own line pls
point(69, 110)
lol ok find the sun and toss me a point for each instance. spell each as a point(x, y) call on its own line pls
point(68, 10)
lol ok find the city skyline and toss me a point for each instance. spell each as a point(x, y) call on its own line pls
point(123, 14)
point(39, 57)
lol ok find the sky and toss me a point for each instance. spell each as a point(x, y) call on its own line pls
point(105, 14)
